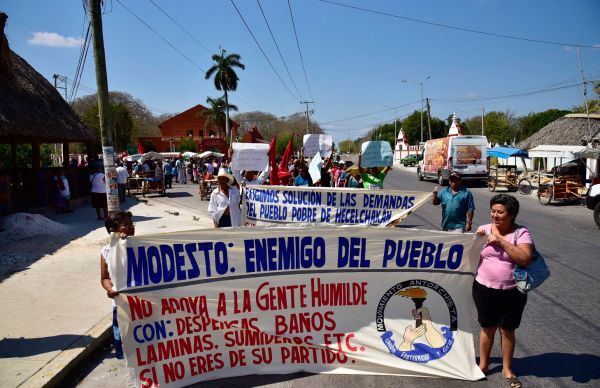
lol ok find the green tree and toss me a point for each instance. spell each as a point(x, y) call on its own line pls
point(498, 127)
point(412, 128)
point(349, 147)
point(187, 145)
point(121, 123)
point(215, 115)
point(225, 77)
point(533, 122)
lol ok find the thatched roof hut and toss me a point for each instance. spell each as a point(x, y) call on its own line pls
point(571, 129)
point(31, 109)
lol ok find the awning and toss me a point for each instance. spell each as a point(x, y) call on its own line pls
point(207, 154)
point(506, 152)
point(152, 156)
point(590, 153)
point(556, 151)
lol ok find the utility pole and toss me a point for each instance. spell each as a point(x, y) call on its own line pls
point(587, 111)
point(428, 117)
point(307, 102)
point(482, 116)
point(108, 151)
point(62, 79)
point(421, 83)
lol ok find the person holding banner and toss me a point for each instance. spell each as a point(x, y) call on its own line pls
point(457, 203)
point(499, 304)
point(372, 177)
point(121, 223)
point(224, 205)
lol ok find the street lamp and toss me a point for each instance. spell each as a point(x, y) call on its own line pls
point(420, 83)
point(395, 123)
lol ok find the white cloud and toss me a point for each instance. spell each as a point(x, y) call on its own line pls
point(471, 95)
point(596, 45)
point(53, 39)
point(568, 49)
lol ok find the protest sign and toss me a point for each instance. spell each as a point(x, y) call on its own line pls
point(317, 144)
point(376, 154)
point(314, 168)
point(250, 156)
point(208, 304)
point(331, 205)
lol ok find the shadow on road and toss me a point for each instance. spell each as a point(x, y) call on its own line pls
point(25, 347)
point(583, 368)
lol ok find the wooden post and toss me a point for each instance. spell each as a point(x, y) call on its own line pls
point(65, 153)
point(36, 163)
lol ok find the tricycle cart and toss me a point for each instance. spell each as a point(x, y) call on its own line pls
point(563, 188)
point(153, 185)
point(507, 175)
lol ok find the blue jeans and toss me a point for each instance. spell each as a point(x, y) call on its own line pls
point(122, 189)
point(117, 335)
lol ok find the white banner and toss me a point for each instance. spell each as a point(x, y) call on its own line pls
point(250, 156)
point(376, 154)
point(208, 304)
point(317, 144)
point(331, 205)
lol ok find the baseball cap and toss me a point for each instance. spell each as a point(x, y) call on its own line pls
point(455, 174)
point(341, 162)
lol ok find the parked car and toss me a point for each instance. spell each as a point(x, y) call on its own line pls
point(410, 160)
point(592, 201)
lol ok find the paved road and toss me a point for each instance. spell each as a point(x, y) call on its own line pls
point(558, 344)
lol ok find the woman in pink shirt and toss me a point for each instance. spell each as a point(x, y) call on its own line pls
point(498, 302)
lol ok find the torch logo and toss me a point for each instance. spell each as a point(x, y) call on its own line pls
point(424, 340)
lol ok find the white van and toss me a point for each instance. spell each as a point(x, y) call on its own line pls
point(466, 154)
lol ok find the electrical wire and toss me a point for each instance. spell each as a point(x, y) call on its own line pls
point(181, 27)
point(81, 63)
point(459, 28)
point(261, 50)
point(278, 50)
point(299, 51)
point(369, 114)
point(162, 38)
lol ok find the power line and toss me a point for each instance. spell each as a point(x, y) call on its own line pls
point(299, 51)
point(369, 114)
point(81, 64)
point(458, 28)
point(261, 50)
point(278, 50)
point(161, 37)
point(204, 47)
point(182, 28)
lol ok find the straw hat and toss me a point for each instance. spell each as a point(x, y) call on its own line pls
point(223, 172)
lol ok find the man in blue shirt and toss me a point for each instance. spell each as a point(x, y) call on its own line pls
point(457, 205)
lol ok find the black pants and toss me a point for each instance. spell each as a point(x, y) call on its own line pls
point(225, 221)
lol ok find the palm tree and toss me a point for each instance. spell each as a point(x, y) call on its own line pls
point(225, 78)
point(216, 115)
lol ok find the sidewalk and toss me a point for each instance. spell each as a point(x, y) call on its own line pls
point(54, 310)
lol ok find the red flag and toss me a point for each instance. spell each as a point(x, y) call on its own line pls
point(287, 155)
point(140, 146)
point(274, 173)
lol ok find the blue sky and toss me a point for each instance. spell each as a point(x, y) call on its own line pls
point(354, 60)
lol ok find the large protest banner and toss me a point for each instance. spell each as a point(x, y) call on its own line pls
point(332, 205)
point(208, 304)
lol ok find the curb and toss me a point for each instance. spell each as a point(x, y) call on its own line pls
point(52, 374)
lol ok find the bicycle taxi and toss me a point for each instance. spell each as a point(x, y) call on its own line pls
point(512, 177)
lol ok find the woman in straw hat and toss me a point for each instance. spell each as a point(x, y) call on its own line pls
point(224, 205)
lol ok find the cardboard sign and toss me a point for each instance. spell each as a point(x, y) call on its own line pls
point(317, 144)
point(250, 156)
point(376, 154)
point(215, 303)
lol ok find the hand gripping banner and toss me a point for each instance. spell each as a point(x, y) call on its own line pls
point(208, 304)
point(262, 205)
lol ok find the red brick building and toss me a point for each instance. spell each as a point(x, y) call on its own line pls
point(188, 125)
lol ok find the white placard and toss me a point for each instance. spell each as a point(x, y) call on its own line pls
point(250, 156)
point(317, 144)
point(314, 168)
point(376, 154)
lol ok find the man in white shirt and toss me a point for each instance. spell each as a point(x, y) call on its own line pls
point(122, 176)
